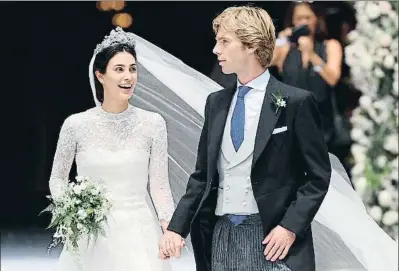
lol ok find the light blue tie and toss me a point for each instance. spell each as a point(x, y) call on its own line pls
point(238, 118)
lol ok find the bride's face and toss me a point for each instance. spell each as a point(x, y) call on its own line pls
point(120, 77)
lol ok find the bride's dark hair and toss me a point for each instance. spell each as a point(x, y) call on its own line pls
point(101, 62)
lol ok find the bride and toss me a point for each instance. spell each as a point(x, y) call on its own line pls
point(125, 145)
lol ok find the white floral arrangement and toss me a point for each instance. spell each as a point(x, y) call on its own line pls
point(80, 213)
point(372, 55)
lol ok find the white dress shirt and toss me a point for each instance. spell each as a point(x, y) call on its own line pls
point(253, 99)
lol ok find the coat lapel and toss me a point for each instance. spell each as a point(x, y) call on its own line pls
point(247, 146)
point(267, 120)
point(218, 122)
point(227, 143)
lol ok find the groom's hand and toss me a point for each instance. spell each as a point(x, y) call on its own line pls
point(278, 242)
point(171, 244)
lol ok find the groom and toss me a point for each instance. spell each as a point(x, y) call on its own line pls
point(262, 169)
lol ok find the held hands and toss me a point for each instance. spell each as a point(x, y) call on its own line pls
point(278, 242)
point(170, 245)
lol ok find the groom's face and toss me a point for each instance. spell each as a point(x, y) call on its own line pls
point(231, 52)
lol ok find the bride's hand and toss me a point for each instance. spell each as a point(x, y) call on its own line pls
point(164, 225)
point(162, 255)
point(171, 244)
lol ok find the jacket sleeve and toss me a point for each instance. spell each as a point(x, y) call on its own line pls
point(314, 153)
point(189, 203)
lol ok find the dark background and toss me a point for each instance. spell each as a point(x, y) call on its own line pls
point(45, 52)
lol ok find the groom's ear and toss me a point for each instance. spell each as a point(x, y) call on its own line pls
point(251, 48)
point(99, 76)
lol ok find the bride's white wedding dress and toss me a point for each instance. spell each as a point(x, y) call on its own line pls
point(125, 152)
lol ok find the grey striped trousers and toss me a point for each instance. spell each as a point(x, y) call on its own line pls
point(239, 248)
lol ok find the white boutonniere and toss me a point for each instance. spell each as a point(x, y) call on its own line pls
point(279, 100)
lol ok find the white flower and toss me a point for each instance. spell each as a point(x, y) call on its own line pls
point(366, 62)
point(358, 169)
point(376, 213)
point(82, 214)
point(381, 161)
point(69, 230)
point(385, 198)
point(380, 53)
point(394, 48)
point(372, 112)
point(83, 186)
point(391, 143)
point(385, 39)
point(95, 192)
point(385, 7)
point(357, 134)
point(58, 234)
point(281, 103)
point(389, 62)
point(77, 190)
point(362, 123)
point(390, 218)
point(79, 226)
point(372, 11)
point(360, 185)
point(353, 35)
point(394, 163)
point(358, 152)
point(378, 72)
point(365, 101)
point(393, 16)
point(360, 5)
point(79, 179)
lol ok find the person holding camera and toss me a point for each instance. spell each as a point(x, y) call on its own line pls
point(306, 59)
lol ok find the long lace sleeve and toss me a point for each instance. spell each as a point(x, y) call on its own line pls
point(158, 172)
point(63, 158)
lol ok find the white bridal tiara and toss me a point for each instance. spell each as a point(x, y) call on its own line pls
point(117, 36)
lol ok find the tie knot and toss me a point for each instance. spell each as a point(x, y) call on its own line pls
point(243, 90)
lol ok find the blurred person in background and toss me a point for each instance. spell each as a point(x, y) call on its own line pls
point(307, 59)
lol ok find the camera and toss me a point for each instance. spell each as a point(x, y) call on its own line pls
point(299, 31)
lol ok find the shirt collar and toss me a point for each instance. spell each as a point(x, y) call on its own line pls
point(259, 83)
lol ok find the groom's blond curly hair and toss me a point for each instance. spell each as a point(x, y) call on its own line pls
point(254, 28)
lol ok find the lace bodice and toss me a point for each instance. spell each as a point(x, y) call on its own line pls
point(125, 151)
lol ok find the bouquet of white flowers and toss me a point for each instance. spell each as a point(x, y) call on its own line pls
point(81, 211)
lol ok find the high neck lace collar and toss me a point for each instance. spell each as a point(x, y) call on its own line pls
point(115, 116)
